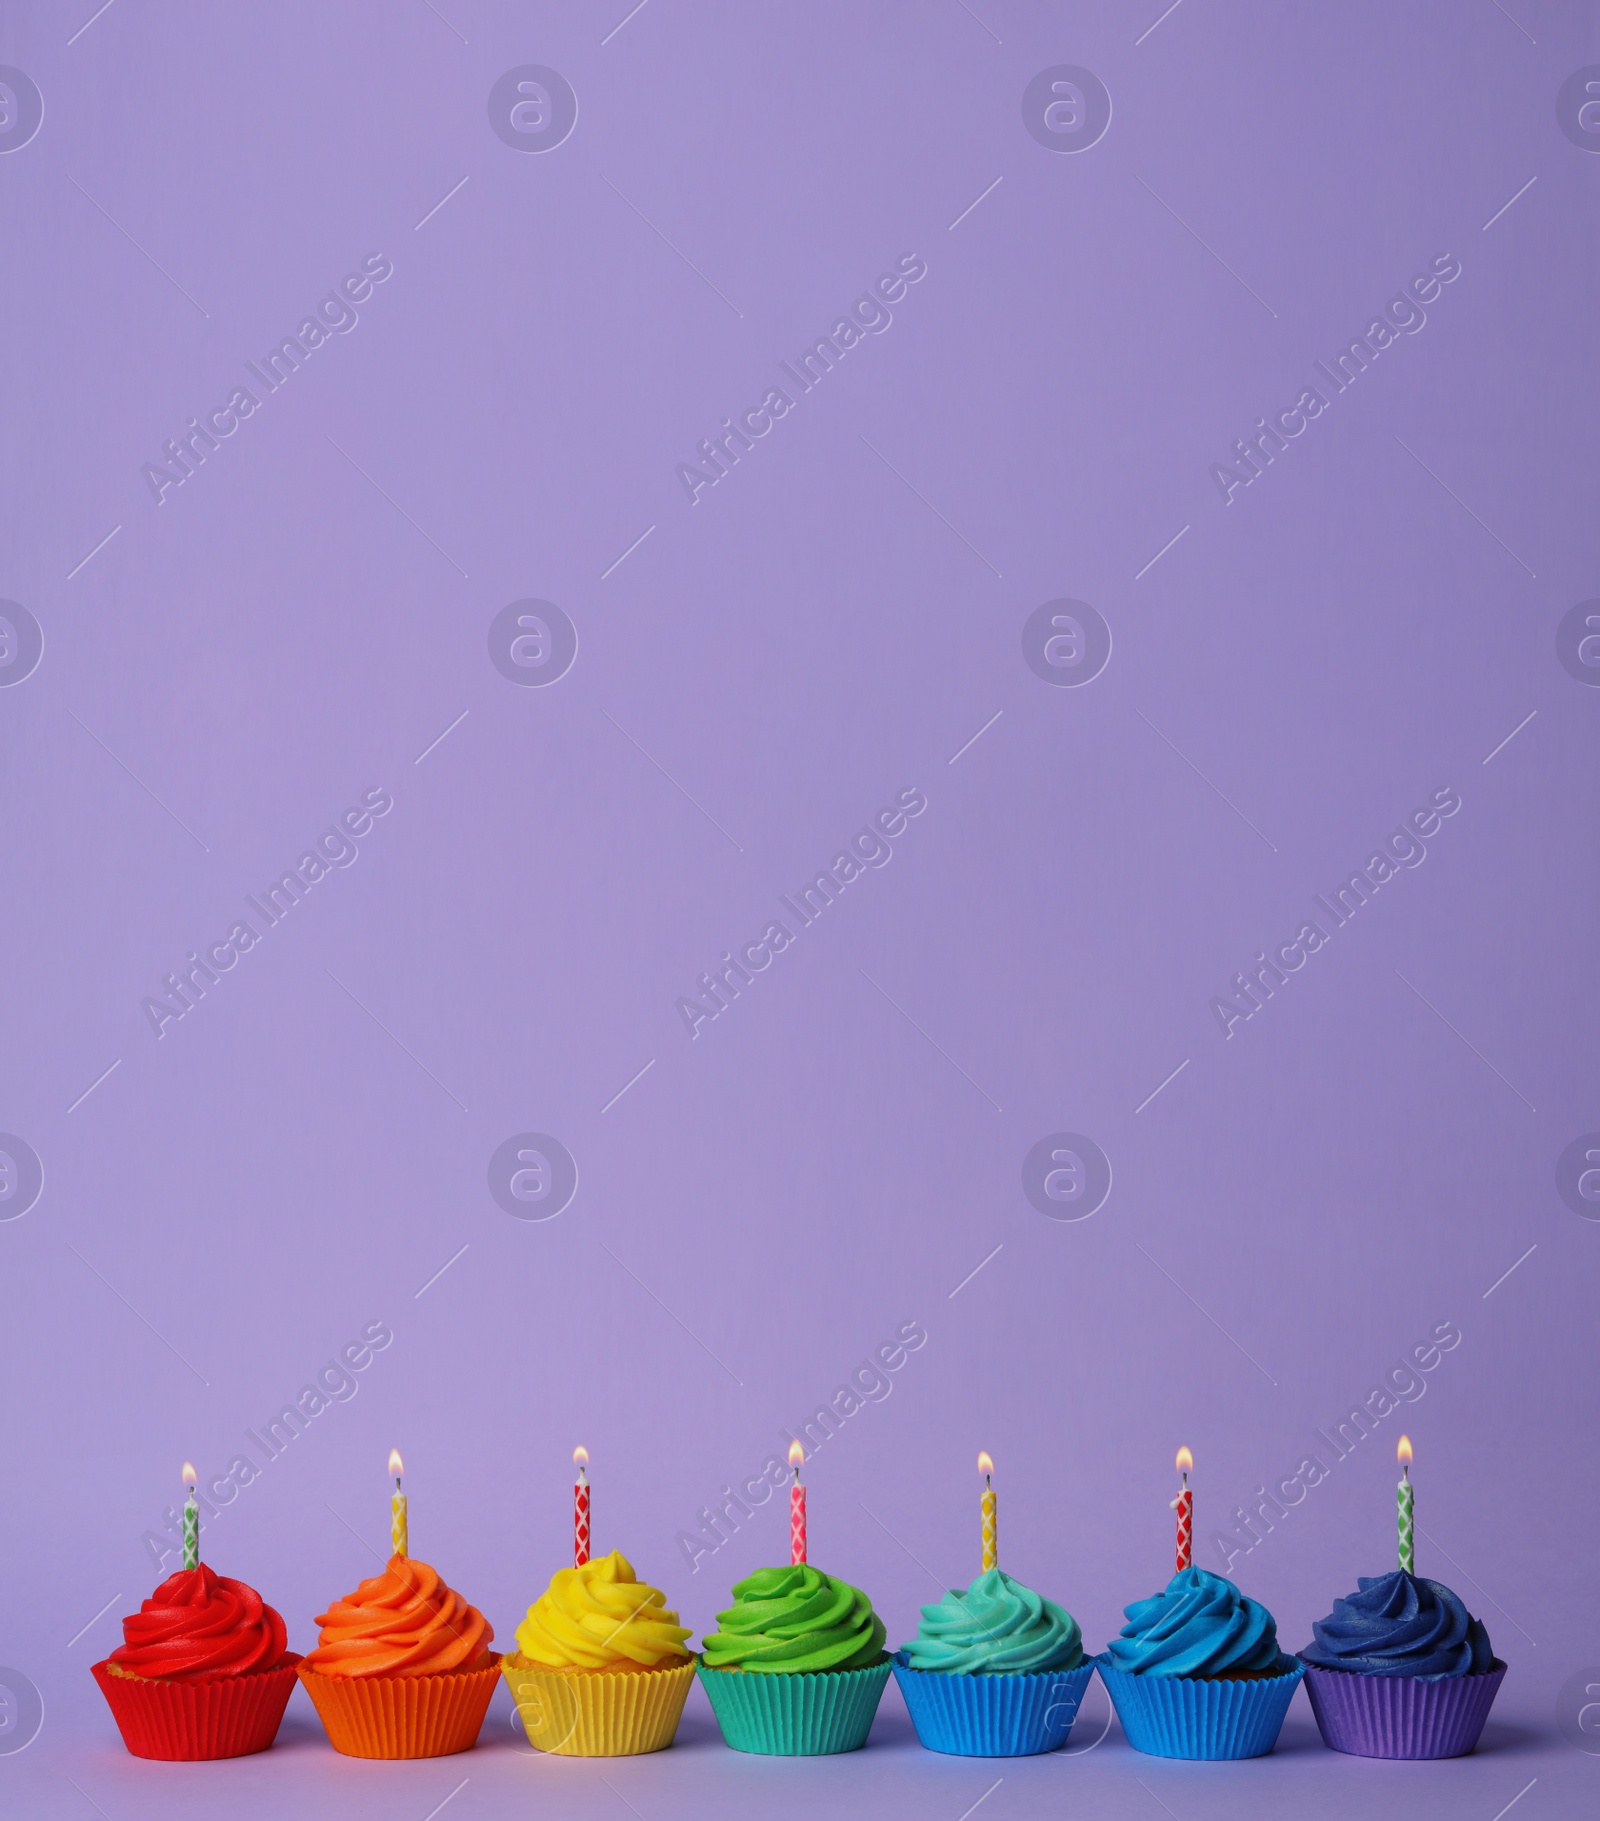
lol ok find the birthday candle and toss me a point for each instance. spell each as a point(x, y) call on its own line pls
point(399, 1538)
point(1408, 1546)
point(191, 1521)
point(580, 1509)
point(991, 1536)
point(797, 1509)
point(1183, 1504)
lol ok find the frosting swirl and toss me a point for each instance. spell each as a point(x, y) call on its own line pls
point(403, 1622)
point(1401, 1625)
point(785, 1620)
point(1199, 1625)
point(996, 1627)
point(198, 1623)
point(601, 1616)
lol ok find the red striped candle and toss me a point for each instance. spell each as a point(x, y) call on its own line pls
point(1183, 1504)
point(797, 1510)
point(580, 1509)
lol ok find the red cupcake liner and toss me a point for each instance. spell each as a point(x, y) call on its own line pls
point(183, 1722)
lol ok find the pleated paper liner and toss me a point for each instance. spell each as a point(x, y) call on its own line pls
point(1193, 1717)
point(219, 1717)
point(599, 1713)
point(801, 1715)
point(1402, 1716)
point(403, 1716)
point(992, 1716)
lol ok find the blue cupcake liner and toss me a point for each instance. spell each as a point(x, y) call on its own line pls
point(1191, 1717)
point(992, 1716)
point(800, 1715)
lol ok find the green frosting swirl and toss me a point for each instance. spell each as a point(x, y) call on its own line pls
point(786, 1620)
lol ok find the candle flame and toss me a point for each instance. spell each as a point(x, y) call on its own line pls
point(985, 1465)
point(797, 1454)
point(189, 1475)
point(396, 1465)
point(1185, 1461)
point(580, 1457)
point(1402, 1451)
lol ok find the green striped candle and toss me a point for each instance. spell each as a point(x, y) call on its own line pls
point(191, 1521)
point(1408, 1545)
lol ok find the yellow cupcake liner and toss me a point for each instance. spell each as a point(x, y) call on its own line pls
point(599, 1713)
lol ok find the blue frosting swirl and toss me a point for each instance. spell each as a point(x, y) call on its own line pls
point(1200, 1625)
point(1401, 1625)
point(996, 1627)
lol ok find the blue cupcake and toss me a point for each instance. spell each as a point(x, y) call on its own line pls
point(1401, 1669)
point(995, 1671)
point(1197, 1672)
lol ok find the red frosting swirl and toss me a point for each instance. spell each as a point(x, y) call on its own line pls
point(197, 1624)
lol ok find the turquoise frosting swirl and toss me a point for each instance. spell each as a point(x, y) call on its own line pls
point(996, 1627)
point(1200, 1625)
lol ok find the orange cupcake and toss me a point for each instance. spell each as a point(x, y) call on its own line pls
point(402, 1667)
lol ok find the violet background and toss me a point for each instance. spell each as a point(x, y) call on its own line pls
point(772, 1199)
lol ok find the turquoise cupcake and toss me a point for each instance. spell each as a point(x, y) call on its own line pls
point(1197, 1672)
point(796, 1666)
point(995, 1671)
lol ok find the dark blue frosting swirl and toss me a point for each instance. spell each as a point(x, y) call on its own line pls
point(1201, 1625)
point(1401, 1625)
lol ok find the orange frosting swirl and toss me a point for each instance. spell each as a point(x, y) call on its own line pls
point(403, 1622)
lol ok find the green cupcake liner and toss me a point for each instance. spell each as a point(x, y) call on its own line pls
point(802, 1715)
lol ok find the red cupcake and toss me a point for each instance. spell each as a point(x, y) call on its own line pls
point(204, 1670)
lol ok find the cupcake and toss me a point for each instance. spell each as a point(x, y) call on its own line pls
point(996, 1671)
point(1401, 1669)
point(796, 1666)
point(601, 1669)
point(402, 1667)
point(1197, 1672)
point(202, 1672)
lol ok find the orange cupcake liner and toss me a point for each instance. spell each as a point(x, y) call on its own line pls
point(185, 1722)
point(402, 1716)
point(599, 1713)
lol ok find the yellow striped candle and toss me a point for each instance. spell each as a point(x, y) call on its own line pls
point(399, 1538)
point(991, 1539)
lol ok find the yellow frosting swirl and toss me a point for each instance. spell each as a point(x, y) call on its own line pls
point(600, 1616)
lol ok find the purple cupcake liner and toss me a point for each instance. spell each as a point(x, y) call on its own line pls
point(1401, 1716)
point(1192, 1717)
point(992, 1716)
